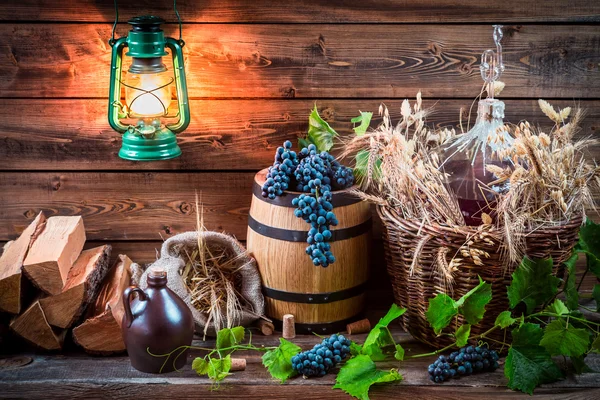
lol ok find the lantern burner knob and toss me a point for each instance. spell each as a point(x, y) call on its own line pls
point(146, 23)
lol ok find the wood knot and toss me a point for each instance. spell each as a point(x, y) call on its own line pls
point(14, 362)
point(434, 48)
point(288, 92)
point(328, 114)
point(30, 214)
point(465, 68)
point(55, 183)
point(167, 229)
point(185, 208)
point(287, 116)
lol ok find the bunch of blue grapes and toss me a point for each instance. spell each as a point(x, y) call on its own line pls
point(343, 178)
point(314, 170)
point(466, 361)
point(318, 212)
point(321, 358)
point(280, 173)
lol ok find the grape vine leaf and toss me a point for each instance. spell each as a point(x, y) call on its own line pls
point(570, 289)
point(561, 338)
point(504, 320)
point(358, 375)
point(596, 296)
point(462, 335)
point(532, 283)
point(596, 345)
point(589, 243)
point(279, 361)
point(442, 308)
point(228, 337)
point(362, 165)
point(218, 368)
point(200, 365)
point(380, 337)
point(365, 120)
point(558, 307)
point(472, 304)
point(579, 365)
point(528, 364)
point(319, 131)
point(399, 354)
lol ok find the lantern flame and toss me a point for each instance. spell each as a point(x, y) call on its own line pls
point(148, 95)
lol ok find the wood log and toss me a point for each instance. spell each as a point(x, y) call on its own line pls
point(83, 284)
point(52, 255)
point(11, 263)
point(33, 326)
point(100, 333)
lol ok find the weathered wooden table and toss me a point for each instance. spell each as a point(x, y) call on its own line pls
point(78, 375)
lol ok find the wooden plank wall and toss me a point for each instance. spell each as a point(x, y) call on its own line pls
point(255, 69)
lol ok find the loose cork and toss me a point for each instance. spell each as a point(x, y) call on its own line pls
point(238, 364)
point(357, 327)
point(266, 327)
point(289, 329)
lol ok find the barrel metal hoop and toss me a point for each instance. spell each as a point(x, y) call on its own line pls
point(314, 298)
point(289, 235)
point(339, 199)
point(319, 328)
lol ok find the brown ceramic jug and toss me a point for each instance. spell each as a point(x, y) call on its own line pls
point(157, 322)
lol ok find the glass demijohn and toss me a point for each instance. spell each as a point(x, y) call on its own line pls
point(466, 157)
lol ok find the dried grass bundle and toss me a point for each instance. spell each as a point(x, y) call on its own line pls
point(212, 277)
point(551, 181)
point(403, 167)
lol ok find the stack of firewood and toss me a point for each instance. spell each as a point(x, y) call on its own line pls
point(49, 284)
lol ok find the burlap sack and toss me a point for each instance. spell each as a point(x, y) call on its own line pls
point(171, 261)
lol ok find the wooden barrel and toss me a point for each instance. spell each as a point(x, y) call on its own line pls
point(323, 300)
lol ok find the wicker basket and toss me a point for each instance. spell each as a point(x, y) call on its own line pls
point(401, 239)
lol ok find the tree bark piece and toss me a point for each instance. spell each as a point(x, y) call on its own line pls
point(11, 263)
point(100, 333)
point(83, 284)
point(52, 255)
point(33, 327)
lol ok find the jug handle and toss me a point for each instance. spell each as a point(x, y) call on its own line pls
point(127, 302)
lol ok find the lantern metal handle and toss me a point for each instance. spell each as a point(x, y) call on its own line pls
point(180, 85)
point(114, 103)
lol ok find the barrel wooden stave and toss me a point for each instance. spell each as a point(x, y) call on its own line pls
point(285, 266)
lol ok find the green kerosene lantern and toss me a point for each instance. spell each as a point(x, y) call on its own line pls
point(148, 92)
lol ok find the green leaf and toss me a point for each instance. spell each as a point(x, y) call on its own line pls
point(462, 335)
point(571, 293)
point(596, 296)
point(218, 368)
point(504, 320)
point(533, 284)
point(365, 120)
point(399, 354)
point(358, 375)
point(200, 365)
point(302, 143)
point(558, 307)
point(596, 345)
point(561, 339)
point(355, 348)
point(228, 337)
point(579, 365)
point(472, 304)
point(528, 365)
point(440, 312)
point(362, 165)
point(279, 361)
point(589, 243)
point(380, 337)
point(319, 131)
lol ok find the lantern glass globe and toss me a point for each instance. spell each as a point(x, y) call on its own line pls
point(148, 95)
